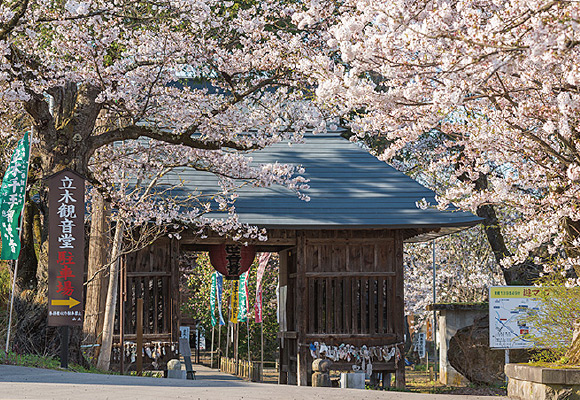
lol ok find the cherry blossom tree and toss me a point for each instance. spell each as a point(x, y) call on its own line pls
point(465, 269)
point(126, 88)
point(495, 81)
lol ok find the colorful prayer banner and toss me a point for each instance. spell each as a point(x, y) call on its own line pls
point(12, 196)
point(234, 302)
point(219, 291)
point(262, 263)
point(212, 298)
point(243, 297)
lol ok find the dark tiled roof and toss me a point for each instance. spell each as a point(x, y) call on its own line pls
point(349, 189)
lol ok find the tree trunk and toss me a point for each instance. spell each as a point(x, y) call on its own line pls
point(573, 353)
point(525, 273)
point(96, 288)
point(109, 317)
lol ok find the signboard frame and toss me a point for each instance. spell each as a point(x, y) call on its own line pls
point(66, 248)
point(508, 306)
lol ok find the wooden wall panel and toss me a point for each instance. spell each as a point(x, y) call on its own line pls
point(151, 275)
point(352, 283)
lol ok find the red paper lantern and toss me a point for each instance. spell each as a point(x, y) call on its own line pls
point(231, 260)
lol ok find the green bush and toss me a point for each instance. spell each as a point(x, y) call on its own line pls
point(559, 308)
point(4, 300)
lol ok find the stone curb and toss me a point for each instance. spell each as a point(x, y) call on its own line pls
point(548, 376)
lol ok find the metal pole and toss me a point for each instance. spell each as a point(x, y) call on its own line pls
point(197, 343)
point(64, 346)
point(228, 326)
point(248, 326)
point(219, 346)
point(507, 361)
point(212, 346)
point(20, 238)
point(262, 354)
point(435, 312)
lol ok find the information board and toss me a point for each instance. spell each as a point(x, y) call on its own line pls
point(66, 248)
point(509, 307)
point(420, 344)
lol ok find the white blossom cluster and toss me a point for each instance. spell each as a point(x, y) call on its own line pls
point(498, 79)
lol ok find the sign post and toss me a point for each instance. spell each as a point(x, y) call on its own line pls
point(66, 258)
point(509, 307)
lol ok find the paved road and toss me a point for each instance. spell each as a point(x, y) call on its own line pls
point(33, 383)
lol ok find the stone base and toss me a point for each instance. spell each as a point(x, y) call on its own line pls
point(526, 382)
point(321, 379)
point(449, 376)
point(352, 380)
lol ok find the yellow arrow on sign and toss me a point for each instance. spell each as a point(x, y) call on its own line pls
point(70, 302)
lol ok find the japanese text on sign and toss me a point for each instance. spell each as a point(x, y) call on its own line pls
point(66, 249)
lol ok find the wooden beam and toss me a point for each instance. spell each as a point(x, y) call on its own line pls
point(346, 241)
point(343, 274)
point(287, 335)
point(388, 338)
point(148, 274)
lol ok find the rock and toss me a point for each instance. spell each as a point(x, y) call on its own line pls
point(321, 377)
point(469, 353)
point(174, 364)
point(174, 370)
point(321, 365)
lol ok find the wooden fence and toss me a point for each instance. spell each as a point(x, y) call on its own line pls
point(243, 369)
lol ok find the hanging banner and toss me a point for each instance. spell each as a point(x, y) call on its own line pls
point(12, 196)
point(234, 302)
point(219, 291)
point(66, 248)
point(243, 297)
point(262, 263)
point(212, 298)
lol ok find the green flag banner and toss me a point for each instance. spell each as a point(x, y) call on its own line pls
point(212, 298)
point(12, 200)
point(234, 302)
point(243, 297)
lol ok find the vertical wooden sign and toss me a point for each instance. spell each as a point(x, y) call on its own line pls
point(66, 246)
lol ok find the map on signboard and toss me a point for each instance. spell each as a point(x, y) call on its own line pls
point(509, 307)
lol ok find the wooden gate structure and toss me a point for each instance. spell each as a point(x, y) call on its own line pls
point(341, 253)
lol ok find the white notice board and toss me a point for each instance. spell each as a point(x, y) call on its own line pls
point(508, 308)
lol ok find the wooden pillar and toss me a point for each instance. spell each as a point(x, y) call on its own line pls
point(399, 311)
point(400, 373)
point(301, 310)
point(139, 365)
point(284, 362)
point(303, 364)
point(175, 296)
point(282, 365)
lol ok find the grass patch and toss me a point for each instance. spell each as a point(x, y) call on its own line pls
point(553, 365)
point(45, 362)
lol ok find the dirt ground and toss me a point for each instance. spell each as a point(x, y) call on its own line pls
point(418, 382)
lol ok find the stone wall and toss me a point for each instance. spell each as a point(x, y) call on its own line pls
point(453, 317)
point(526, 382)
